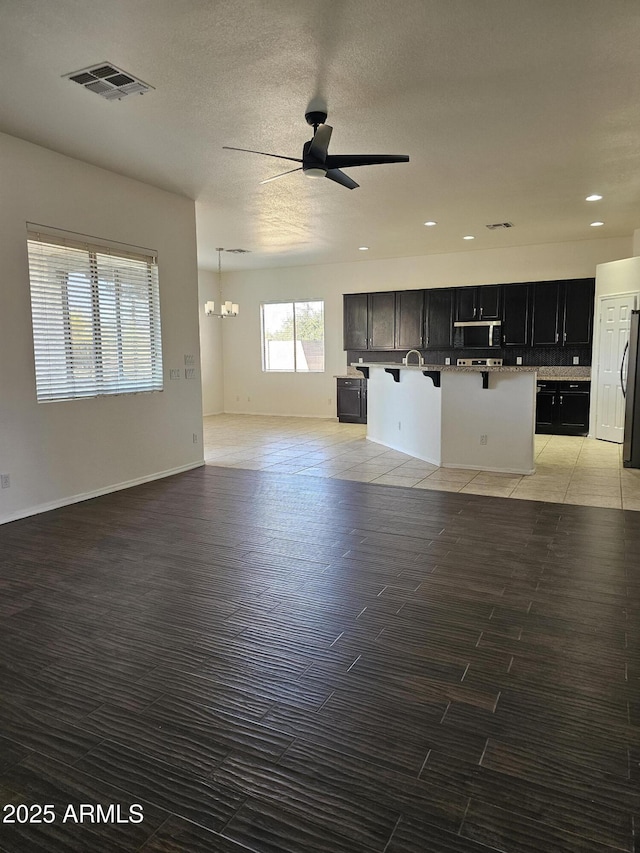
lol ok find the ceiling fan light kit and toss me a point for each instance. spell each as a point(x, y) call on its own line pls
point(316, 160)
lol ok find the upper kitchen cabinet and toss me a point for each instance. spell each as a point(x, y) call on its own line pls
point(355, 321)
point(516, 315)
point(382, 320)
point(410, 319)
point(563, 312)
point(438, 325)
point(579, 296)
point(546, 313)
point(370, 321)
point(477, 303)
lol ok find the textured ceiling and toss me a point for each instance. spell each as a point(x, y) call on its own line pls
point(509, 109)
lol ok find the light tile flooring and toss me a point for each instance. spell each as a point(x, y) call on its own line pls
point(568, 469)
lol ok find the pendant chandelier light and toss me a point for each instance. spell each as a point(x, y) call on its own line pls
point(227, 309)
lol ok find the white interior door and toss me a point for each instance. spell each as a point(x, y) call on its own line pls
point(615, 314)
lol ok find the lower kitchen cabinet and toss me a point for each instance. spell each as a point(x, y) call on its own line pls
point(562, 408)
point(352, 400)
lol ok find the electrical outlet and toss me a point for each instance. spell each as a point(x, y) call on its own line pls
point(483, 439)
point(195, 437)
point(174, 374)
point(5, 481)
point(576, 359)
point(447, 361)
point(519, 359)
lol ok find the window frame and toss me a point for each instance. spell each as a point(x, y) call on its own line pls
point(58, 380)
point(263, 341)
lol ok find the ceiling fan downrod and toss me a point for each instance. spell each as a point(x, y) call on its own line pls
point(315, 118)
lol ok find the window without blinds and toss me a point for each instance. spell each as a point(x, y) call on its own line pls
point(96, 320)
point(293, 336)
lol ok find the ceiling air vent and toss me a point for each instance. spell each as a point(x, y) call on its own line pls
point(108, 81)
point(497, 225)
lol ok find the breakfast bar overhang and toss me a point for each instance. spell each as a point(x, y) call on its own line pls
point(480, 418)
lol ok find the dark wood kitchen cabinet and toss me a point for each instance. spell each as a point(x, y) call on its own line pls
point(355, 321)
point(562, 408)
point(546, 313)
point(477, 303)
point(369, 321)
point(410, 319)
point(352, 400)
point(438, 325)
point(578, 312)
point(563, 312)
point(382, 320)
point(516, 315)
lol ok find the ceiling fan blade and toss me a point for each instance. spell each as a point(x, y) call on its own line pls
point(264, 153)
point(281, 175)
point(340, 178)
point(320, 143)
point(345, 161)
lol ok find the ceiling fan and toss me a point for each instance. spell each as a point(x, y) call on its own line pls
point(318, 163)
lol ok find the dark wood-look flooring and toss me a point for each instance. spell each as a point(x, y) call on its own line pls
point(299, 665)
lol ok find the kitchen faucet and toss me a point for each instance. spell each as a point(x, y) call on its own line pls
point(420, 358)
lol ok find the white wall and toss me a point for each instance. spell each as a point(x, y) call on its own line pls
point(59, 452)
point(248, 389)
point(210, 345)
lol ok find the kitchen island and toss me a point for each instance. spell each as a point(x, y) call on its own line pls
point(481, 418)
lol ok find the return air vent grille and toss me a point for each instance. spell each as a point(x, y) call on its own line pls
point(497, 225)
point(108, 81)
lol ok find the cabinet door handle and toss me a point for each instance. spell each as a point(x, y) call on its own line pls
point(561, 399)
point(556, 337)
point(480, 312)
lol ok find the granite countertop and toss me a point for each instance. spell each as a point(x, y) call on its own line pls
point(451, 368)
point(558, 373)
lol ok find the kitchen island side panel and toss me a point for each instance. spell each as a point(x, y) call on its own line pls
point(405, 415)
point(504, 413)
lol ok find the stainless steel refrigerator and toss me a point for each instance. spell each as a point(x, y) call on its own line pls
point(631, 391)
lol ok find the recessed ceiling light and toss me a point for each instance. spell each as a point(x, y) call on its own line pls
point(363, 248)
point(430, 223)
point(593, 197)
point(596, 224)
point(469, 237)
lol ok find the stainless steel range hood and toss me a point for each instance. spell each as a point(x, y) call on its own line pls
point(490, 325)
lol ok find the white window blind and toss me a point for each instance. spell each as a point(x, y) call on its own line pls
point(96, 319)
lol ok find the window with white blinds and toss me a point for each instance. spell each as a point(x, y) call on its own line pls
point(96, 319)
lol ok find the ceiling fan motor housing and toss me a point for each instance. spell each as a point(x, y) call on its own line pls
point(311, 166)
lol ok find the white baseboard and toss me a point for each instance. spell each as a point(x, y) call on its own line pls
point(115, 487)
point(281, 415)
